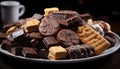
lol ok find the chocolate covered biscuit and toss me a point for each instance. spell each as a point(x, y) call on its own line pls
point(80, 51)
point(67, 37)
point(48, 27)
point(111, 38)
point(67, 18)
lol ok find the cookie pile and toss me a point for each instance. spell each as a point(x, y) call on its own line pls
point(56, 35)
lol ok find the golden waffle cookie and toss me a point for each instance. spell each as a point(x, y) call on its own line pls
point(49, 10)
point(57, 52)
point(31, 25)
point(89, 36)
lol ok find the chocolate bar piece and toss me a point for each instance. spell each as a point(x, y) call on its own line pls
point(86, 16)
point(111, 38)
point(29, 52)
point(34, 35)
point(7, 45)
point(50, 41)
point(20, 22)
point(16, 50)
point(37, 44)
point(37, 16)
point(74, 22)
point(17, 35)
point(2, 36)
point(43, 53)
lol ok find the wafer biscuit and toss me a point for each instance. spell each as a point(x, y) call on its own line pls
point(89, 36)
point(31, 25)
point(57, 52)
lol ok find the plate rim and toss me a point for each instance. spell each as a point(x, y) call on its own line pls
point(105, 53)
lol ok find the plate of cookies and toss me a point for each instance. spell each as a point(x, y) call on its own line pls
point(58, 36)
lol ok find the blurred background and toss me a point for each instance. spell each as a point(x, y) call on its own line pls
point(101, 9)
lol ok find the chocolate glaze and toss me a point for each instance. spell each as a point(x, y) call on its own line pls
point(67, 37)
point(48, 27)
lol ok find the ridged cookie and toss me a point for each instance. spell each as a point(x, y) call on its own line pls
point(89, 36)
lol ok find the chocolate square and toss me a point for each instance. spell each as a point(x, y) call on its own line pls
point(50, 41)
point(16, 50)
point(43, 53)
point(29, 52)
point(37, 16)
point(7, 45)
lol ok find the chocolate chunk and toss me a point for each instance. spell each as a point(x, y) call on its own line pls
point(50, 41)
point(67, 18)
point(111, 38)
point(17, 35)
point(37, 44)
point(20, 22)
point(74, 22)
point(86, 16)
point(29, 52)
point(48, 27)
point(43, 53)
point(37, 16)
point(34, 35)
point(7, 45)
point(2, 36)
point(16, 50)
point(67, 37)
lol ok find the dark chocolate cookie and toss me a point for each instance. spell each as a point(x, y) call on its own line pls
point(48, 27)
point(67, 37)
point(74, 52)
point(111, 38)
point(67, 18)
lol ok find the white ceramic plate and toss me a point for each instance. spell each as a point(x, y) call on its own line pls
point(105, 53)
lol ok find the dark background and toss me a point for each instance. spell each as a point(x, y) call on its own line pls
point(95, 7)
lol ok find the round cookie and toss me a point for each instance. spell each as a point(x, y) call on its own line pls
point(67, 18)
point(48, 27)
point(67, 37)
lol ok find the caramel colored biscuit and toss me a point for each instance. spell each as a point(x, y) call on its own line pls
point(49, 10)
point(31, 25)
point(89, 36)
point(57, 52)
